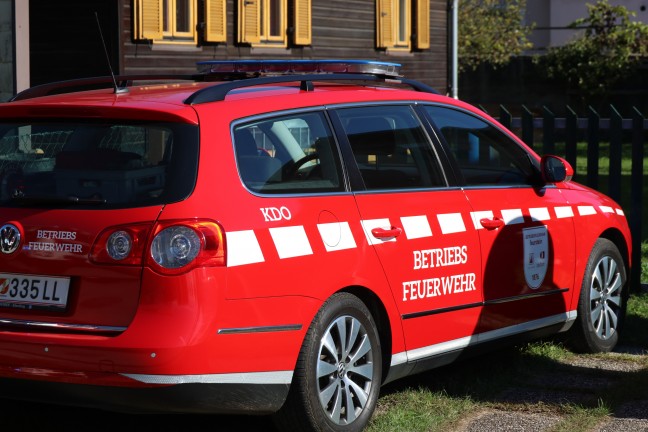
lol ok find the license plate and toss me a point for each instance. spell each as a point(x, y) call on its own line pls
point(33, 292)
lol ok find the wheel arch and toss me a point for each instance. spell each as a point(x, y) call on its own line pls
point(616, 237)
point(381, 317)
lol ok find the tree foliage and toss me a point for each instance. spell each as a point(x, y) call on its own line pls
point(610, 47)
point(491, 31)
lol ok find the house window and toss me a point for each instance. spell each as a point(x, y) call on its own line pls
point(403, 24)
point(175, 21)
point(266, 22)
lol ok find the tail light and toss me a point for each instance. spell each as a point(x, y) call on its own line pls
point(170, 247)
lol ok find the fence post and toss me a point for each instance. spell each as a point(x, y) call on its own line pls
point(548, 131)
point(527, 126)
point(593, 148)
point(636, 196)
point(505, 117)
point(616, 142)
point(571, 136)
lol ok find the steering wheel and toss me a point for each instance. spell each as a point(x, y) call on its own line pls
point(294, 168)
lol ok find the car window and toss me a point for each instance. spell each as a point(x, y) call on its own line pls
point(114, 163)
point(391, 148)
point(486, 156)
point(288, 154)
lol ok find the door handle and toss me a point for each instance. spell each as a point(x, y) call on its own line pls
point(382, 233)
point(492, 224)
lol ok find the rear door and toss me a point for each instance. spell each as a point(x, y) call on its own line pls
point(417, 225)
point(526, 228)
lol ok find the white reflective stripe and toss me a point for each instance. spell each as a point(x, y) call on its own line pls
point(416, 226)
point(606, 209)
point(539, 214)
point(564, 212)
point(291, 241)
point(620, 212)
point(464, 342)
point(243, 248)
point(370, 224)
point(336, 236)
point(512, 216)
point(586, 210)
point(451, 223)
point(278, 377)
point(479, 215)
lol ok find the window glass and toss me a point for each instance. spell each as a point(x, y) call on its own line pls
point(183, 15)
point(288, 154)
point(166, 16)
point(402, 21)
point(486, 156)
point(274, 12)
point(107, 164)
point(391, 148)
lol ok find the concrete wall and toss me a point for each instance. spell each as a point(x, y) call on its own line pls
point(552, 16)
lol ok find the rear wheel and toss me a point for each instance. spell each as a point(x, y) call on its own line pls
point(601, 306)
point(337, 378)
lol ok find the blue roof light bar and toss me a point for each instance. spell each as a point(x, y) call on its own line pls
point(291, 67)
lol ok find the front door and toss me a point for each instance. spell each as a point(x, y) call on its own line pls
point(526, 228)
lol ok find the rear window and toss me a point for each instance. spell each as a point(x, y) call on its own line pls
point(96, 165)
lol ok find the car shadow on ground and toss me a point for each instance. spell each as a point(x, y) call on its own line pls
point(29, 416)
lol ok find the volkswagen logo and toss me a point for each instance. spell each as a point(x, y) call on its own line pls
point(9, 238)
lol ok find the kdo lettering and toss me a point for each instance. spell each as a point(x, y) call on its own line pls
point(274, 214)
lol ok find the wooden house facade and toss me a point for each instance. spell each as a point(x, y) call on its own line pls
point(170, 36)
point(410, 32)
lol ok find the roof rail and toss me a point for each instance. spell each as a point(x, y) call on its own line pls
point(95, 83)
point(219, 91)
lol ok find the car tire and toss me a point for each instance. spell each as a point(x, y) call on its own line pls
point(337, 378)
point(602, 301)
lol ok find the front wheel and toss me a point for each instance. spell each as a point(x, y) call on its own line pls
point(601, 306)
point(337, 378)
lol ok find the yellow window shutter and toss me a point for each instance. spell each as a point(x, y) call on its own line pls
point(385, 23)
point(215, 21)
point(249, 28)
point(149, 19)
point(422, 24)
point(303, 22)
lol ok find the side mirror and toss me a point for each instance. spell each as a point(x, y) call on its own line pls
point(555, 169)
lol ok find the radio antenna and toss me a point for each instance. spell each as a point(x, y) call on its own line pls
point(118, 90)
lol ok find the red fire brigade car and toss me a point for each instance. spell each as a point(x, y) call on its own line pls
point(281, 237)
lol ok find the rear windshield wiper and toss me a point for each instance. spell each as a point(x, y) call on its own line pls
point(56, 200)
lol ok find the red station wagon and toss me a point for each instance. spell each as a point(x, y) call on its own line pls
point(282, 237)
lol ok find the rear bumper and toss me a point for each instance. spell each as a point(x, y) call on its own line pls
point(204, 398)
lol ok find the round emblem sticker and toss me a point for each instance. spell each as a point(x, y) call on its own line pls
point(9, 238)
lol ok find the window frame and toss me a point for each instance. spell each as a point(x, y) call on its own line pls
point(254, 22)
point(390, 23)
point(172, 19)
point(436, 161)
point(453, 162)
point(148, 22)
point(337, 158)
